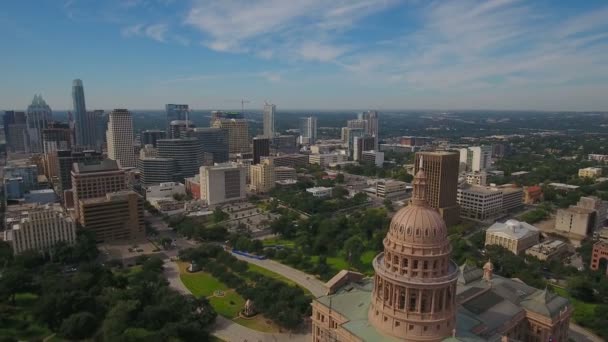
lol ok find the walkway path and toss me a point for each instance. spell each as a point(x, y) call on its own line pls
point(224, 328)
point(315, 286)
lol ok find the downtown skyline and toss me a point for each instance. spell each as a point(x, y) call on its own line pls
point(381, 54)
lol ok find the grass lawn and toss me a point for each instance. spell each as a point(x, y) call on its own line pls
point(581, 309)
point(278, 241)
point(19, 324)
point(201, 284)
point(229, 305)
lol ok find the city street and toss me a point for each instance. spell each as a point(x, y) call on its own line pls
point(315, 286)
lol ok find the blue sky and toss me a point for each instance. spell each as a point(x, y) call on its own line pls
point(308, 54)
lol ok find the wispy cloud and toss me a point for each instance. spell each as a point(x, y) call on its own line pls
point(300, 29)
point(269, 76)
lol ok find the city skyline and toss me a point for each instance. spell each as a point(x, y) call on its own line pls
point(382, 54)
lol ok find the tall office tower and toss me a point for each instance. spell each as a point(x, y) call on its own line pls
point(261, 148)
point(362, 144)
point(213, 141)
point(284, 144)
point(96, 124)
point(96, 179)
point(262, 176)
point(149, 137)
point(39, 114)
point(238, 131)
point(40, 229)
point(80, 114)
point(179, 128)
point(357, 123)
point(186, 152)
point(269, 112)
point(222, 183)
point(66, 160)
point(348, 137)
point(176, 112)
point(441, 169)
point(476, 158)
point(371, 117)
point(308, 130)
point(57, 136)
point(120, 138)
point(15, 128)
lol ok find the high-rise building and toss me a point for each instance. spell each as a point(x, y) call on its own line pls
point(96, 179)
point(176, 112)
point(149, 137)
point(308, 130)
point(213, 141)
point(39, 229)
point(82, 126)
point(39, 114)
point(115, 216)
point(120, 138)
point(15, 128)
point(441, 169)
point(96, 125)
point(476, 158)
point(357, 123)
point(222, 183)
point(238, 131)
point(362, 144)
point(65, 162)
point(262, 176)
point(187, 154)
point(269, 112)
point(57, 136)
point(156, 170)
point(372, 125)
point(284, 144)
point(261, 148)
point(348, 137)
point(179, 128)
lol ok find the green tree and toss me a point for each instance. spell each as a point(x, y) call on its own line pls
point(354, 248)
point(79, 326)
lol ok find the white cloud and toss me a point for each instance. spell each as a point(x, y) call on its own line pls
point(157, 32)
point(299, 29)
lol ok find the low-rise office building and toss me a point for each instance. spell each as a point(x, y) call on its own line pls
point(222, 183)
point(39, 228)
point(548, 250)
point(599, 256)
point(476, 178)
point(575, 220)
point(320, 191)
point(326, 159)
point(284, 173)
point(391, 189)
point(590, 172)
point(262, 176)
point(480, 203)
point(291, 160)
point(116, 217)
point(533, 194)
point(513, 235)
point(165, 190)
point(372, 157)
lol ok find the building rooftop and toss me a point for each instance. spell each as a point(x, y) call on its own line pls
point(105, 165)
point(513, 229)
point(577, 210)
point(484, 306)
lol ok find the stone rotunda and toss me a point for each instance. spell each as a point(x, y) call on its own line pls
point(414, 294)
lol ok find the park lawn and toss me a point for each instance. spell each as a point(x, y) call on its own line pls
point(201, 284)
point(229, 305)
point(259, 323)
point(20, 325)
point(279, 241)
point(582, 310)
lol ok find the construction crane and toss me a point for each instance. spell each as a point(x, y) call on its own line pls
point(242, 102)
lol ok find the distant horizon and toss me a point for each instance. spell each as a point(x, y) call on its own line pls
point(383, 54)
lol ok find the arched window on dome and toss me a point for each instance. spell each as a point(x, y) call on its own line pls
point(417, 231)
point(412, 301)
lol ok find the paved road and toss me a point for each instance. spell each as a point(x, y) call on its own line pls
point(580, 334)
point(315, 286)
point(224, 328)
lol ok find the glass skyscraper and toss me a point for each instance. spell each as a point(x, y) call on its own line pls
point(38, 115)
point(175, 112)
point(80, 115)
